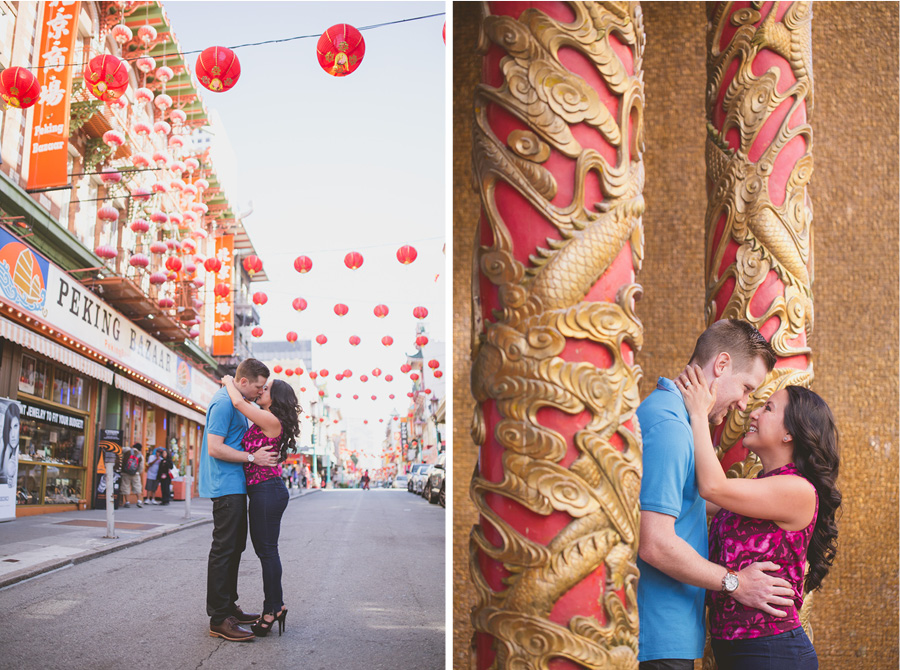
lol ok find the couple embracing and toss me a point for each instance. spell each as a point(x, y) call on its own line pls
point(237, 462)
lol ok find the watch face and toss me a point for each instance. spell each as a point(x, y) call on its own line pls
point(731, 583)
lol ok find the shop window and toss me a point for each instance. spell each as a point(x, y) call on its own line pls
point(62, 486)
point(44, 380)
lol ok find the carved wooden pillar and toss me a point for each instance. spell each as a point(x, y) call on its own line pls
point(759, 263)
point(557, 162)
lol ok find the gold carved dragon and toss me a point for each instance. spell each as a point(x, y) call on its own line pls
point(516, 352)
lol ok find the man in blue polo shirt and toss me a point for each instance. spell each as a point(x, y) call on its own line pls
point(222, 459)
point(675, 572)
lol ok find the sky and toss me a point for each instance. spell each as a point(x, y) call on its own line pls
point(333, 165)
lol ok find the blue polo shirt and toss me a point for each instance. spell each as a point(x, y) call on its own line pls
point(671, 613)
point(221, 478)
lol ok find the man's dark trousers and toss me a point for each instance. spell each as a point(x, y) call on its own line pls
point(229, 541)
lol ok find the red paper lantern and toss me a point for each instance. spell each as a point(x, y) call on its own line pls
point(106, 77)
point(298, 371)
point(374, 397)
point(363, 378)
point(409, 395)
point(438, 374)
point(376, 372)
point(291, 336)
point(277, 369)
point(427, 391)
point(252, 264)
point(218, 69)
point(19, 87)
point(321, 339)
point(434, 364)
point(354, 340)
point(313, 374)
point(339, 376)
point(353, 260)
point(414, 376)
point(225, 327)
point(289, 372)
point(356, 397)
point(365, 421)
point(389, 378)
point(166, 303)
point(212, 264)
point(260, 298)
point(323, 373)
point(173, 264)
point(140, 226)
point(158, 278)
point(406, 254)
point(321, 420)
point(299, 304)
point(406, 367)
point(139, 260)
point(303, 264)
point(337, 395)
point(257, 332)
point(421, 341)
point(222, 290)
point(381, 311)
point(387, 340)
point(303, 389)
point(340, 50)
point(341, 309)
point(420, 312)
point(391, 396)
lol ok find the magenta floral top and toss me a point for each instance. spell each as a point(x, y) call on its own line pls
point(254, 440)
point(735, 542)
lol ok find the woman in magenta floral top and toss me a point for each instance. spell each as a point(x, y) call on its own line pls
point(786, 516)
point(276, 422)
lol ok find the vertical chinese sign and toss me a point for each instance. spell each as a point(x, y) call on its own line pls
point(223, 337)
point(50, 138)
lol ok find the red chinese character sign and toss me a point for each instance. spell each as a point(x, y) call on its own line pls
point(49, 150)
point(340, 50)
point(223, 337)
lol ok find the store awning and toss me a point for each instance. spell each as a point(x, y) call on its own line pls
point(16, 333)
point(155, 398)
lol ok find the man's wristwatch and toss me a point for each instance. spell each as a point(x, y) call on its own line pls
point(250, 459)
point(730, 582)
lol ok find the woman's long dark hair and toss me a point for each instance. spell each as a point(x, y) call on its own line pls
point(287, 410)
point(811, 424)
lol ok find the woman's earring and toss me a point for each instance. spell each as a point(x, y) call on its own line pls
point(786, 438)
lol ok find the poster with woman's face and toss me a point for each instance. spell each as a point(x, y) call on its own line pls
point(10, 417)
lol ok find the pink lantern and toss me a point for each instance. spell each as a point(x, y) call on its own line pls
point(162, 128)
point(175, 218)
point(106, 251)
point(200, 208)
point(190, 268)
point(166, 303)
point(140, 226)
point(158, 247)
point(158, 278)
point(198, 304)
point(178, 116)
point(108, 213)
point(190, 189)
point(146, 34)
point(141, 193)
point(202, 184)
point(141, 160)
point(199, 234)
point(171, 275)
point(363, 378)
point(176, 166)
point(121, 33)
point(173, 245)
point(159, 217)
point(119, 103)
point(161, 158)
point(163, 102)
point(354, 340)
point(145, 64)
point(141, 128)
point(165, 74)
point(189, 246)
point(160, 187)
point(389, 378)
point(110, 176)
point(387, 340)
point(143, 94)
point(198, 282)
point(113, 138)
point(176, 142)
point(191, 164)
point(177, 183)
point(189, 218)
point(194, 332)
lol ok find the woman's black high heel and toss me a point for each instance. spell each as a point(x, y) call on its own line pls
point(262, 627)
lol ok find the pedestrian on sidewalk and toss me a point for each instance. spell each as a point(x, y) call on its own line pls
point(165, 476)
point(222, 479)
point(132, 466)
point(276, 424)
point(152, 474)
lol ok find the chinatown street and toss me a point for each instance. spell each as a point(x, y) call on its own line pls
point(363, 584)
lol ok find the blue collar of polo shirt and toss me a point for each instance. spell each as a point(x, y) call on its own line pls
point(665, 384)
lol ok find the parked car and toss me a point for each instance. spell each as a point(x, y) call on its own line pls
point(420, 478)
point(400, 482)
point(413, 471)
point(435, 482)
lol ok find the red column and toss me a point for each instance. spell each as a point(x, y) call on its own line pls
point(557, 162)
point(759, 162)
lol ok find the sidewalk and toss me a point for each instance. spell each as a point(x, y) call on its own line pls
point(33, 545)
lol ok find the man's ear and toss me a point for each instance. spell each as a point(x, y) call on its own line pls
point(721, 364)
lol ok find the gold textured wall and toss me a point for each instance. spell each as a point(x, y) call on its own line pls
point(854, 192)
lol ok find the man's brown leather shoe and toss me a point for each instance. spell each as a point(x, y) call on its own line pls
point(244, 617)
point(230, 629)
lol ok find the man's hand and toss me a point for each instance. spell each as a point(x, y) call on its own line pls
point(267, 457)
point(760, 591)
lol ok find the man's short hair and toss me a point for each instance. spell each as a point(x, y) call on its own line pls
point(739, 339)
point(250, 369)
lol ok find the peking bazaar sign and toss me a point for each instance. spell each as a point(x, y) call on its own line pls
point(223, 337)
point(49, 151)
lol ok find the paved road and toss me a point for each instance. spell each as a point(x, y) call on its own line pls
point(363, 581)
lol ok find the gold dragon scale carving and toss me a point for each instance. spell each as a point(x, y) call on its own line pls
point(516, 353)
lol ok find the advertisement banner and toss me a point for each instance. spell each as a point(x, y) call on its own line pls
point(223, 336)
point(49, 151)
point(23, 275)
point(9, 457)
